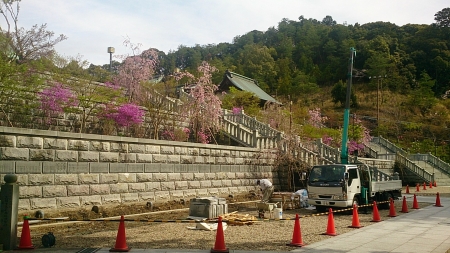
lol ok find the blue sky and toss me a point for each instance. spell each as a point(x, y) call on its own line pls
point(93, 25)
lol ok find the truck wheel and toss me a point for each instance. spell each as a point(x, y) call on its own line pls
point(321, 209)
point(354, 202)
point(385, 197)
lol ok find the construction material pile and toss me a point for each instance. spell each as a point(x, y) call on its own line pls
point(236, 219)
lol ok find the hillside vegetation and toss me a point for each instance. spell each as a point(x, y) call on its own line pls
point(401, 81)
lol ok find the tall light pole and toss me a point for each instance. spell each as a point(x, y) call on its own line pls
point(111, 50)
point(379, 81)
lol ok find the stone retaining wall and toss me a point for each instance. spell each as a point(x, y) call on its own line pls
point(60, 169)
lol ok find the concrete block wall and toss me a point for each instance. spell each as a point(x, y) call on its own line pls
point(59, 169)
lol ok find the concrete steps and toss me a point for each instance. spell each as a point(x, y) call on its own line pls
point(441, 178)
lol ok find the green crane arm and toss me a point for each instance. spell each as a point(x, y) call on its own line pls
point(344, 149)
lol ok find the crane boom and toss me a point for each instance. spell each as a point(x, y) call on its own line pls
point(344, 149)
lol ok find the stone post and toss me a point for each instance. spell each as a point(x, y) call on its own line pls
point(396, 176)
point(9, 205)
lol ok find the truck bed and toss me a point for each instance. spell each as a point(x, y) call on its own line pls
point(391, 185)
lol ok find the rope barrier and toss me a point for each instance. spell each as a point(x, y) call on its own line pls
point(200, 221)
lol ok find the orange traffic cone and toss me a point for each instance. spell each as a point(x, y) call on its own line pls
point(376, 214)
point(355, 220)
point(404, 206)
point(407, 189)
point(219, 245)
point(438, 200)
point(297, 235)
point(417, 188)
point(431, 185)
point(424, 186)
point(415, 204)
point(392, 209)
point(25, 236)
point(121, 244)
point(331, 230)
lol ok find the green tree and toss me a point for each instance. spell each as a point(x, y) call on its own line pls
point(442, 17)
point(422, 97)
point(241, 99)
point(328, 21)
point(339, 94)
point(18, 86)
point(257, 62)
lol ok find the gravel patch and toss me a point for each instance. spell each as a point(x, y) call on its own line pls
point(267, 235)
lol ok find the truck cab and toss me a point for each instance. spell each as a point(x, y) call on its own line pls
point(342, 185)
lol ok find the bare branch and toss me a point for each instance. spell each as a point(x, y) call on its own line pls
point(25, 45)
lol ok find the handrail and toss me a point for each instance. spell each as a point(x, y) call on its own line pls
point(328, 152)
point(433, 160)
point(250, 122)
point(249, 131)
point(370, 151)
point(389, 145)
point(378, 175)
point(414, 168)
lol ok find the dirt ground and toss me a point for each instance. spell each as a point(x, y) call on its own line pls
point(100, 234)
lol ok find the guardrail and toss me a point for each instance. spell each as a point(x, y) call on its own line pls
point(389, 145)
point(414, 168)
point(370, 151)
point(328, 152)
point(250, 122)
point(429, 158)
point(433, 160)
point(378, 175)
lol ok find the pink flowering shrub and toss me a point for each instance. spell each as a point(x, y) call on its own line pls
point(124, 115)
point(236, 110)
point(203, 137)
point(112, 85)
point(354, 146)
point(179, 134)
point(56, 99)
point(203, 109)
point(129, 114)
point(316, 119)
point(327, 140)
point(136, 69)
point(358, 137)
point(168, 135)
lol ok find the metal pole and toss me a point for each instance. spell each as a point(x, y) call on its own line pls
point(378, 106)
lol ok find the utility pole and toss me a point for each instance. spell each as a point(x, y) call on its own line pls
point(379, 82)
point(290, 115)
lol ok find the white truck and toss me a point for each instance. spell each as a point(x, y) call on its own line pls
point(342, 185)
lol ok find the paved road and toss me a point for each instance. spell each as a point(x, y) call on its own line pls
point(423, 230)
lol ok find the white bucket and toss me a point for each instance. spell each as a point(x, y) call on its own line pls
point(278, 213)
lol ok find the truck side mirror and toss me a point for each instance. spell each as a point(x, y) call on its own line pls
point(346, 176)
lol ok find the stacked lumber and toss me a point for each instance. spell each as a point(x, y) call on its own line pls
point(236, 219)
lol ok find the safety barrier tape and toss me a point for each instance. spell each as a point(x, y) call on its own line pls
point(189, 221)
point(204, 220)
point(422, 194)
point(115, 220)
